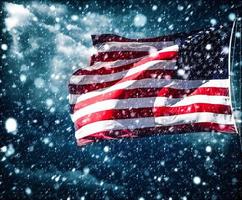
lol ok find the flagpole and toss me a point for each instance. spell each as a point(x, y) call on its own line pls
point(230, 83)
point(229, 70)
point(240, 63)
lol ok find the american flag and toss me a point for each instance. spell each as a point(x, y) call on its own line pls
point(163, 85)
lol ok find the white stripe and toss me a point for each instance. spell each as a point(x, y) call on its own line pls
point(147, 102)
point(170, 48)
point(132, 46)
point(152, 122)
point(90, 79)
point(151, 83)
point(152, 53)
point(113, 64)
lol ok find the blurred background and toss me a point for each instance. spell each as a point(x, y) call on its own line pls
point(42, 43)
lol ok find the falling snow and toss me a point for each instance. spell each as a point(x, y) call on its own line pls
point(213, 22)
point(140, 20)
point(43, 44)
point(11, 125)
point(208, 47)
point(4, 47)
point(197, 180)
point(23, 78)
point(232, 16)
point(208, 149)
point(28, 191)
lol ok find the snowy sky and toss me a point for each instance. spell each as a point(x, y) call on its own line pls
point(44, 42)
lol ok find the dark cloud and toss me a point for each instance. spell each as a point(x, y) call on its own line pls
point(46, 42)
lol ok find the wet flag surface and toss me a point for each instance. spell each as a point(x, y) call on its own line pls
point(163, 85)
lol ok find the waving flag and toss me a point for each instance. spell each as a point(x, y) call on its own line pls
point(140, 87)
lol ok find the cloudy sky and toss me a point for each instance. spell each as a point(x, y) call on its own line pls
point(43, 43)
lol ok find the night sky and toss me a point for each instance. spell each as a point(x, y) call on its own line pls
point(42, 43)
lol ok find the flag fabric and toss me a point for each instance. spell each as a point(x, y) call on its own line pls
point(140, 87)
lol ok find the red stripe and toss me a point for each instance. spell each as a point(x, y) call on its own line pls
point(97, 39)
point(113, 56)
point(117, 55)
point(150, 92)
point(104, 38)
point(164, 130)
point(152, 74)
point(150, 112)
